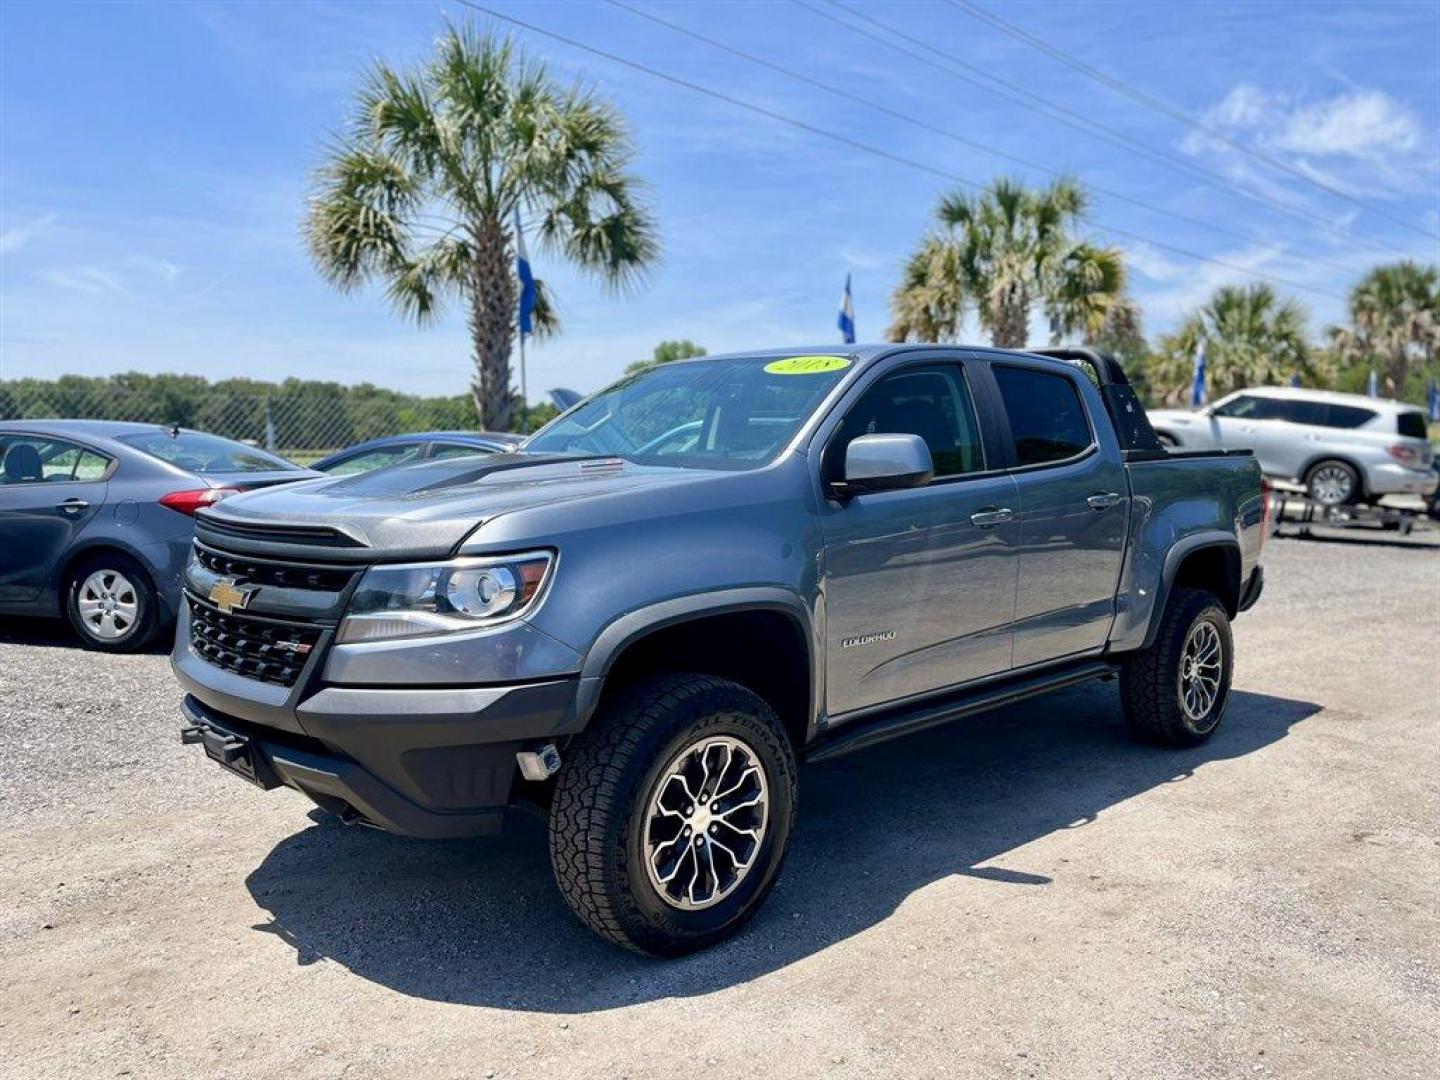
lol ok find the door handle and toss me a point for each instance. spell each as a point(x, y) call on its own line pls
point(992, 516)
point(1104, 500)
point(73, 506)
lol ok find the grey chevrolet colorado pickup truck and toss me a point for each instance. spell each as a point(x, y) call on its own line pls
point(698, 577)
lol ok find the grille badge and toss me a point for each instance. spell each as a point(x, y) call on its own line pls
point(228, 596)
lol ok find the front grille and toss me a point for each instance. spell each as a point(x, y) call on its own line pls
point(264, 572)
point(264, 649)
point(312, 535)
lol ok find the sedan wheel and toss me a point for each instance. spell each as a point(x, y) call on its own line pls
point(109, 605)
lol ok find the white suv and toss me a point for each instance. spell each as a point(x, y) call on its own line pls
point(1343, 447)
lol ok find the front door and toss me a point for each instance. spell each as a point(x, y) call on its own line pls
point(49, 491)
point(1074, 506)
point(919, 584)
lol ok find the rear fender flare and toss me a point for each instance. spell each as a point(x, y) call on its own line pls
point(1183, 549)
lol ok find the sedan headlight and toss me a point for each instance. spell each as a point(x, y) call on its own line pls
point(418, 599)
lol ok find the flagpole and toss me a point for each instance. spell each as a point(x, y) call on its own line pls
point(524, 402)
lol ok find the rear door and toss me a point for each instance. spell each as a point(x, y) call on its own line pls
point(919, 584)
point(50, 489)
point(1074, 505)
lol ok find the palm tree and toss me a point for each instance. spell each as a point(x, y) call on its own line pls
point(421, 189)
point(1003, 253)
point(1251, 337)
point(1394, 321)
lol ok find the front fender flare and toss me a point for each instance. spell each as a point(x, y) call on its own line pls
point(632, 626)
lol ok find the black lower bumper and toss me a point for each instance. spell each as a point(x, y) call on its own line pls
point(425, 775)
point(1253, 588)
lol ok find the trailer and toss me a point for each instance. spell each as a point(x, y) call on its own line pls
point(1296, 514)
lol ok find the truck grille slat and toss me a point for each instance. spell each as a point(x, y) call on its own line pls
point(265, 572)
point(263, 649)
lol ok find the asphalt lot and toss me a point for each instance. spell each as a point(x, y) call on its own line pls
point(1023, 895)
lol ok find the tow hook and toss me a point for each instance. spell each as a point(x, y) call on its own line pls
point(539, 764)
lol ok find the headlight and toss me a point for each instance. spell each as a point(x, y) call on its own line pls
point(438, 598)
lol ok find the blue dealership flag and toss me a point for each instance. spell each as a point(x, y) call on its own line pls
point(1197, 388)
point(1433, 397)
point(527, 279)
point(846, 321)
point(1372, 385)
point(1295, 380)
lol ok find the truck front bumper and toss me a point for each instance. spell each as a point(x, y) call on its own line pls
point(419, 762)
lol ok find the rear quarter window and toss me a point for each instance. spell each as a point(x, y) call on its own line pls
point(1412, 425)
point(1047, 418)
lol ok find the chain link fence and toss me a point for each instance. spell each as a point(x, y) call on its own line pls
point(298, 419)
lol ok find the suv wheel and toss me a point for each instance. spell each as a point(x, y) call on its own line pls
point(672, 814)
point(1333, 483)
point(111, 603)
point(1174, 693)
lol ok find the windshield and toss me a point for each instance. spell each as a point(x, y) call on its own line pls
point(725, 413)
point(200, 453)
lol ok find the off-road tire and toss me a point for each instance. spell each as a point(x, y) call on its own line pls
point(147, 614)
point(1357, 488)
point(1149, 681)
point(602, 796)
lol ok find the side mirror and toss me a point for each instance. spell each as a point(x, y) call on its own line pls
point(884, 463)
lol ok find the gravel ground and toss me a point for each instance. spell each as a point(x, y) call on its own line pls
point(1023, 895)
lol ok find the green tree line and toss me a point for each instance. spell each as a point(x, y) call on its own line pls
point(296, 414)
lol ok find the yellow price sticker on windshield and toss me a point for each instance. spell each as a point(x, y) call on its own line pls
point(807, 365)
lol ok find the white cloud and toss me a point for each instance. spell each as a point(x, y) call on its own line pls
point(1357, 124)
point(13, 239)
point(85, 279)
point(1360, 141)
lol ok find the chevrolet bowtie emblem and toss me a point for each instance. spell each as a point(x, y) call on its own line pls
point(227, 596)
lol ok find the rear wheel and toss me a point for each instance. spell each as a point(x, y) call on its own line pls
point(110, 603)
point(1333, 483)
point(1174, 693)
point(672, 814)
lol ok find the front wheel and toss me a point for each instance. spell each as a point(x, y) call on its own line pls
point(672, 814)
point(1174, 692)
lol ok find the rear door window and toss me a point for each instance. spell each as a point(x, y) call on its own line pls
point(1312, 413)
point(1047, 417)
point(1348, 416)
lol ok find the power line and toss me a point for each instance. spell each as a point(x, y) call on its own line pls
point(1156, 104)
point(856, 144)
point(1014, 93)
point(952, 135)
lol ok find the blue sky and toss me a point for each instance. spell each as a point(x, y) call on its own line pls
point(154, 162)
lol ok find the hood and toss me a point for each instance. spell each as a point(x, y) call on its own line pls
point(1174, 416)
point(423, 510)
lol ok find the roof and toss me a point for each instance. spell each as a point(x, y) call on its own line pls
point(864, 352)
point(1302, 393)
point(96, 429)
